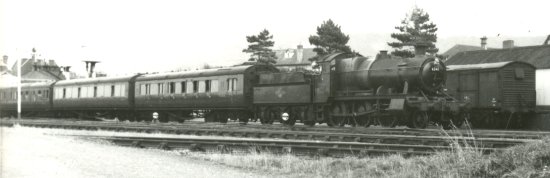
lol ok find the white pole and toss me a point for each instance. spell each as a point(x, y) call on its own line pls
point(19, 86)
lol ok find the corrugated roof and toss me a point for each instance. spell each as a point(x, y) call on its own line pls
point(478, 66)
point(539, 56)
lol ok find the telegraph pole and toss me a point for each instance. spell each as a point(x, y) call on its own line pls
point(19, 86)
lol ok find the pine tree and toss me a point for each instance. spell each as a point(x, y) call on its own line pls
point(415, 28)
point(260, 48)
point(330, 39)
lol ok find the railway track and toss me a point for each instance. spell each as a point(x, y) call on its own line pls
point(296, 147)
point(504, 134)
point(374, 136)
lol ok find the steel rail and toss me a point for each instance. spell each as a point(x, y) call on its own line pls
point(315, 148)
point(385, 131)
point(403, 138)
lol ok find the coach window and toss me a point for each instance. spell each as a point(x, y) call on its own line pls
point(231, 84)
point(64, 92)
point(195, 86)
point(79, 90)
point(74, 92)
point(202, 86)
point(214, 86)
point(112, 90)
point(172, 87)
point(122, 89)
point(207, 85)
point(183, 87)
point(160, 88)
point(95, 91)
point(147, 89)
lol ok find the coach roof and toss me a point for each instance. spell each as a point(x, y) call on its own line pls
point(25, 85)
point(234, 70)
point(94, 80)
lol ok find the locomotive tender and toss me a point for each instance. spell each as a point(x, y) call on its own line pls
point(343, 90)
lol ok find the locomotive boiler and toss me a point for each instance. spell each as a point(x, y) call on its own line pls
point(391, 74)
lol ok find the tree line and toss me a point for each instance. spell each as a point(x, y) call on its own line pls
point(415, 28)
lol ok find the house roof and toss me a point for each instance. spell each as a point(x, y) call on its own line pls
point(461, 48)
point(290, 56)
point(42, 75)
point(539, 56)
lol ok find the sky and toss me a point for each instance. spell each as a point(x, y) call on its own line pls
point(130, 36)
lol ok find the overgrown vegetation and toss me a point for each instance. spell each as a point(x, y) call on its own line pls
point(465, 160)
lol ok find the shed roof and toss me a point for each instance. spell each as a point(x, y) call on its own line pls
point(539, 56)
point(494, 65)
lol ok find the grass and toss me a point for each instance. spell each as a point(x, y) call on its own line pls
point(464, 160)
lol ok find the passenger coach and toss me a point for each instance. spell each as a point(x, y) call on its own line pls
point(218, 93)
point(35, 99)
point(107, 97)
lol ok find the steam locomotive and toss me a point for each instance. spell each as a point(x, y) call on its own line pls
point(340, 90)
point(360, 91)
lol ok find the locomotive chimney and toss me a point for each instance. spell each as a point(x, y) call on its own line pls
point(484, 43)
point(507, 44)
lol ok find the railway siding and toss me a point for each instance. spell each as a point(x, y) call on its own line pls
point(417, 141)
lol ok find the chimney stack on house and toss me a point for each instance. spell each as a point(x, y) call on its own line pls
point(5, 59)
point(484, 42)
point(507, 44)
point(4, 66)
point(300, 53)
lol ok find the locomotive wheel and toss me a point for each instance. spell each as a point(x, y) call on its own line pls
point(221, 117)
point(309, 123)
point(291, 117)
point(242, 116)
point(268, 117)
point(364, 120)
point(460, 118)
point(388, 121)
point(420, 119)
point(339, 109)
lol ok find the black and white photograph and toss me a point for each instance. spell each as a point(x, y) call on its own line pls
point(243, 88)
